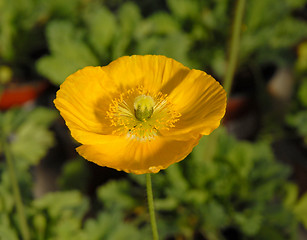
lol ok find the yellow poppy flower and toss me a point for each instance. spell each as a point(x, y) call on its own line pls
point(140, 114)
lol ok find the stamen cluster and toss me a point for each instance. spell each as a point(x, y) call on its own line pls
point(141, 114)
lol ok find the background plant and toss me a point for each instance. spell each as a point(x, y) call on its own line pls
point(226, 188)
point(193, 32)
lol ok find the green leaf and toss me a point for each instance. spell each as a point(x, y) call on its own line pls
point(65, 211)
point(184, 8)
point(28, 133)
point(294, 4)
point(269, 232)
point(300, 209)
point(32, 138)
point(291, 195)
point(5, 76)
point(7, 233)
point(166, 204)
point(215, 215)
point(301, 63)
point(68, 52)
point(249, 222)
point(8, 30)
point(174, 45)
point(7, 201)
point(11, 120)
point(42, 117)
point(302, 92)
point(177, 182)
point(266, 41)
point(102, 27)
point(40, 224)
point(117, 195)
point(125, 231)
point(196, 197)
point(162, 23)
point(288, 33)
point(129, 18)
point(7, 230)
point(75, 175)
point(299, 120)
point(240, 157)
point(111, 226)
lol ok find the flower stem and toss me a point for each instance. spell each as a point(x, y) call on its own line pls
point(234, 45)
point(16, 191)
point(154, 228)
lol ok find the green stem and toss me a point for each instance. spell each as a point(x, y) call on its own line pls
point(154, 228)
point(18, 201)
point(234, 45)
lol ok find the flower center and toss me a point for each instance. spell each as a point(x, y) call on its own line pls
point(143, 107)
point(142, 115)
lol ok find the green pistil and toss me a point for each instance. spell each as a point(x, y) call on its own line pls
point(143, 107)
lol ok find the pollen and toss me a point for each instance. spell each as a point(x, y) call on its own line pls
point(140, 114)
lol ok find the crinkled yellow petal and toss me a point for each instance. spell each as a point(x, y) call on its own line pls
point(86, 96)
point(138, 157)
point(201, 100)
point(198, 97)
point(83, 100)
point(154, 72)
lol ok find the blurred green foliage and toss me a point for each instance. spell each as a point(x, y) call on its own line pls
point(297, 117)
point(266, 40)
point(240, 187)
point(192, 32)
point(74, 174)
point(70, 55)
point(29, 139)
point(22, 24)
point(225, 186)
point(237, 186)
point(26, 130)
